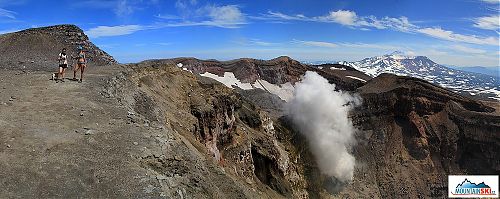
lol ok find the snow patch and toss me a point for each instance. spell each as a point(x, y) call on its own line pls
point(283, 91)
point(356, 78)
point(333, 68)
point(229, 80)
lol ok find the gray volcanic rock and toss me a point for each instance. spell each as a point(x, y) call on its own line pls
point(38, 48)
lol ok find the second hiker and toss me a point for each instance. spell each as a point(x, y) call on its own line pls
point(81, 63)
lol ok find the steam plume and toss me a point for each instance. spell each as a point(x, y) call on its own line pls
point(320, 113)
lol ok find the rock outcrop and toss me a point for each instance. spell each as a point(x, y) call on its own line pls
point(238, 136)
point(38, 48)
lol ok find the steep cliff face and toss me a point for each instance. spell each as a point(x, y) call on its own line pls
point(416, 134)
point(254, 150)
point(38, 48)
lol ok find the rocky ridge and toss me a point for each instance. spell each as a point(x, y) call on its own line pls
point(38, 48)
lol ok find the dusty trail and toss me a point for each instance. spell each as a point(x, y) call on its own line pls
point(63, 139)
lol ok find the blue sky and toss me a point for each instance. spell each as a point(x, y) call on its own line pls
point(452, 32)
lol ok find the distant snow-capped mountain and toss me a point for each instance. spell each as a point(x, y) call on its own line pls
point(480, 85)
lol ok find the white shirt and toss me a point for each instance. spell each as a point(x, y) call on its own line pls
point(63, 59)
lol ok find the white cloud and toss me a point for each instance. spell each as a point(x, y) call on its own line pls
point(402, 24)
point(286, 17)
point(451, 36)
point(229, 14)
point(350, 18)
point(7, 13)
point(168, 17)
point(491, 1)
point(106, 31)
point(274, 17)
point(347, 45)
point(488, 23)
point(223, 16)
point(467, 49)
point(200, 23)
point(372, 46)
point(316, 43)
point(253, 42)
point(344, 17)
point(258, 42)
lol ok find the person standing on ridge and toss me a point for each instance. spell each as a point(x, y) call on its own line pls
point(63, 64)
point(80, 64)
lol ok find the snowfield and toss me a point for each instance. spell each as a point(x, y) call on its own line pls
point(423, 68)
point(284, 91)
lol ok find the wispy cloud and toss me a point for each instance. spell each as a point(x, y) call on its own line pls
point(107, 31)
point(371, 46)
point(226, 16)
point(168, 17)
point(197, 23)
point(254, 42)
point(467, 49)
point(121, 8)
point(451, 36)
point(324, 44)
point(344, 17)
point(7, 13)
point(489, 22)
point(491, 1)
point(316, 43)
point(401, 24)
point(275, 16)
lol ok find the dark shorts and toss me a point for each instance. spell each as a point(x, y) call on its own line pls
point(63, 65)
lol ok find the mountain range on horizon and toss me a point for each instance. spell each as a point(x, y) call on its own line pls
point(464, 82)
